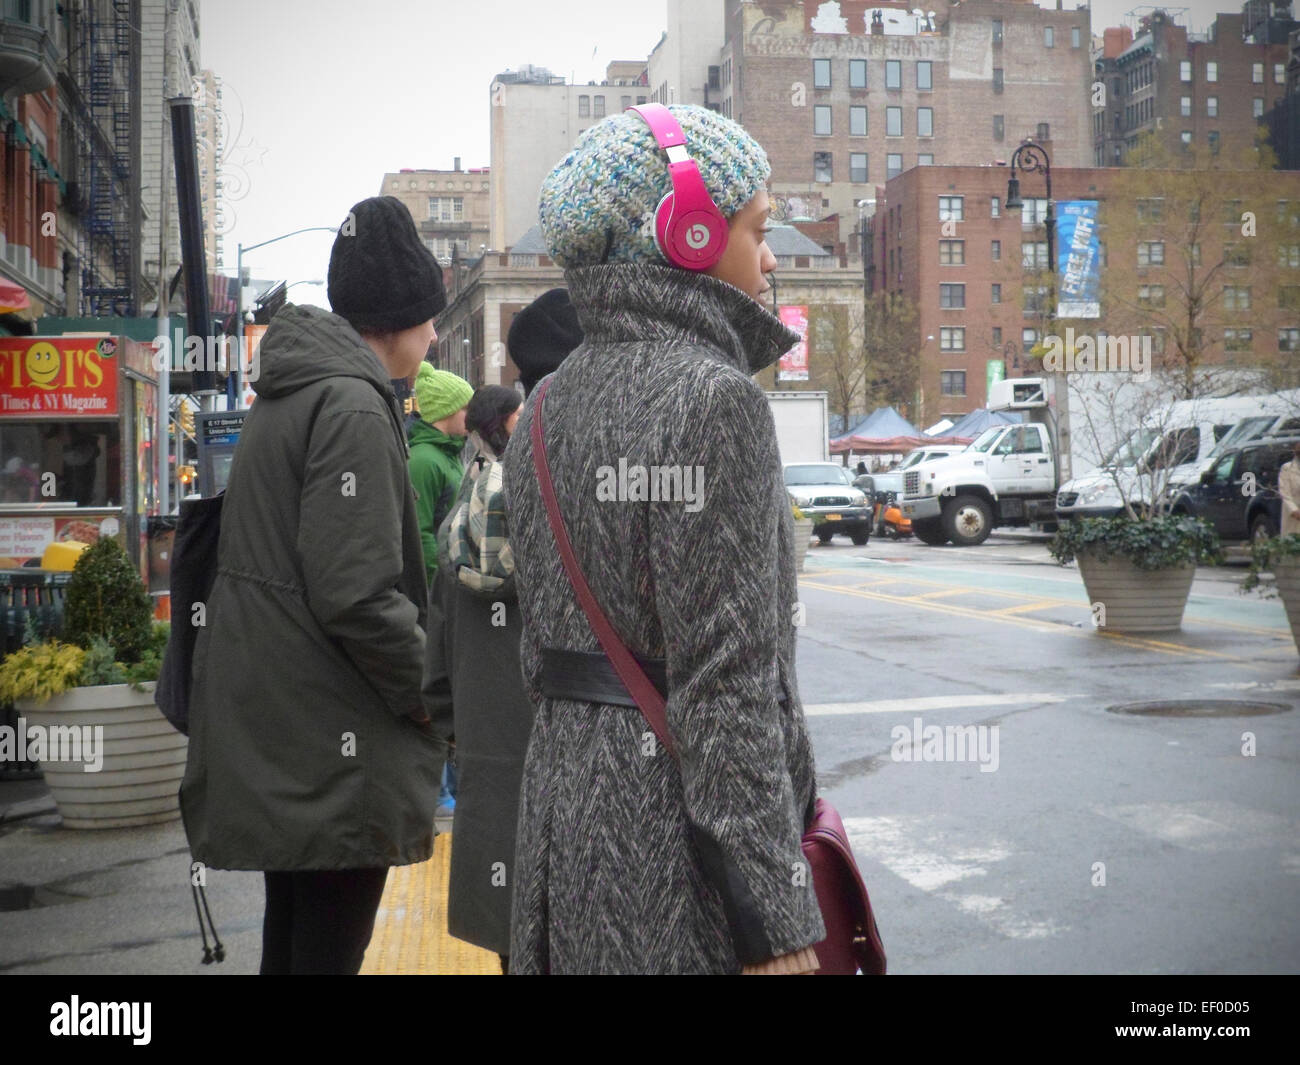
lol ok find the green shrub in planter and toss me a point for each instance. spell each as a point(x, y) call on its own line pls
point(1264, 555)
point(107, 598)
point(1159, 543)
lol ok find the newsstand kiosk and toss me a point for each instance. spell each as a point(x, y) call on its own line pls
point(77, 461)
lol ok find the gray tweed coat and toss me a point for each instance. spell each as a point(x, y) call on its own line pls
point(625, 861)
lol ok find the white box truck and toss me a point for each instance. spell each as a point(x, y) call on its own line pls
point(802, 431)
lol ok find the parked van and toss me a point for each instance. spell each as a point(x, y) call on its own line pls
point(1169, 448)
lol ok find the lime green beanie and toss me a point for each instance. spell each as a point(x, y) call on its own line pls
point(439, 393)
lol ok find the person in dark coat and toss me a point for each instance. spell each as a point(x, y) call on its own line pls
point(629, 860)
point(311, 756)
point(474, 687)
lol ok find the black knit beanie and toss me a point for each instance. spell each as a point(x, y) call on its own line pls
point(382, 278)
point(542, 335)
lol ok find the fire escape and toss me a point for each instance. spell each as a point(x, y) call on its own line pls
point(104, 150)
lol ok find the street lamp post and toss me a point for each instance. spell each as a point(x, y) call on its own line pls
point(1031, 157)
point(239, 289)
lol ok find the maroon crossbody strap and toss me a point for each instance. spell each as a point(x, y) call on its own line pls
point(634, 678)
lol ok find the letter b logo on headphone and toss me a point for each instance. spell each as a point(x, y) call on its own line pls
point(697, 236)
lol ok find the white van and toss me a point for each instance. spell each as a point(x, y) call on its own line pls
point(1168, 448)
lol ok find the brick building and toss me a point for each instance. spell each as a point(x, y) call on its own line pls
point(976, 272)
point(451, 208)
point(1192, 90)
point(843, 102)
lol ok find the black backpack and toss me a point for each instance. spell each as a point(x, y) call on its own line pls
point(193, 572)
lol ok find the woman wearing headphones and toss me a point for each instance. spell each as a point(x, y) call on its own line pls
point(638, 851)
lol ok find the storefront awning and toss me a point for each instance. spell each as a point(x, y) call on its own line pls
point(13, 297)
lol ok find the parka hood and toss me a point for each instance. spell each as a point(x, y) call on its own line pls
point(623, 302)
point(421, 432)
point(305, 344)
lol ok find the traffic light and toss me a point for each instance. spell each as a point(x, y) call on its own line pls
point(185, 417)
point(185, 475)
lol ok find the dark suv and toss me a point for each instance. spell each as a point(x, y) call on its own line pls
point(1238, 495)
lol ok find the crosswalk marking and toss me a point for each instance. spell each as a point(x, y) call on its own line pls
point(931, 702)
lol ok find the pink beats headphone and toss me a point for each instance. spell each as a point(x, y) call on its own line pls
point(689, 229)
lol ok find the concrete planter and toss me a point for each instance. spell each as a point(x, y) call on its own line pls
point(143, 757)
point(1135, 600)
point(1286, 571)
point(803, 530)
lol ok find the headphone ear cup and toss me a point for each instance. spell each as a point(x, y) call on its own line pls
point(664, 215)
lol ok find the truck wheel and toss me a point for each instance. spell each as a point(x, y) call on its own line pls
point(930, 531)
point(824, 535)
point(1262, 528)
point(861, 536)
point(968, 520)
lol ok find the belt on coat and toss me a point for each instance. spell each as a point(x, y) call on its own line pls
point(590, 677)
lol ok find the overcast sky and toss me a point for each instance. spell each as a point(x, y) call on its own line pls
point(323, 97)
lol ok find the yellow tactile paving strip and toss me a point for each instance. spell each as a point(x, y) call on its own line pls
point(411, 926)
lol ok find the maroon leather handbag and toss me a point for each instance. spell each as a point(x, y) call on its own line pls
point(852, 940)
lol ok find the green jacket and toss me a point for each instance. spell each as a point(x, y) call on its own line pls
point(303, 751)
point(435, 474)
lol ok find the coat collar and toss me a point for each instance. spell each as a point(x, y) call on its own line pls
point(630, 302)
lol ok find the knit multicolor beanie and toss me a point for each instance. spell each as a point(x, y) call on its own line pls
point(603, 194)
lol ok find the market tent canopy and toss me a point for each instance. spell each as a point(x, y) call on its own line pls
point(978, 420)
point(886, 432)
point(882, 423)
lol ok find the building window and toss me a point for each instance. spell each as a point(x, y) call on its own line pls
point(1212, 107)
point(1034, 212)
point(584, 106)
point(821, 73)
point(1288, 255)
point(1257, 73)
point(997, 336)
point(1075, 36)
point(952, 253)
point(950, 209)
point(1185, 70)
point(925, 159)
point(857, 73)
point(1236, 339)
point(995, 208)
point(1257, 107)
point(1211, 71)
point(1151, 295)
point(995, 251)
point(1288, 339)
point(996, 296)
point(952, 338)
point(858, 167)
point(1288, 297)
point(822, 166)
point(821, 120)
point(857, 121)
point(1151, 253)
point(925, 121)
point(1033, 255)
point(1236, 297)
point(1236, 255)
point(997, 31)
point(952, 382)
point(1186, 137)
point(952, 297)
point(1150, 209)
point(598, 107)
point(999, 127)
point(924, 76)
point(641, 99)
point(1185, 106)
point(997, 79)
point(1049, 36)
point(893, 73)
point(447, 208)
point(893, 165)
point(893, 121)
point(1044, 131)
point(1213, 138)
point(1279, 73)
point(1035, 297)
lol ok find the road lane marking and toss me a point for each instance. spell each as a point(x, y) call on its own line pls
point(930, 702)
point(946, 593)
point(1025, 608)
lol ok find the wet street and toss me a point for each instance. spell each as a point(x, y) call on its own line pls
point(1060, 836)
